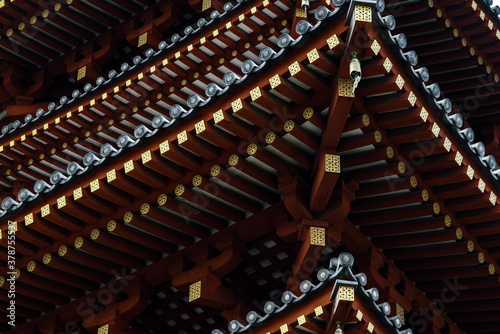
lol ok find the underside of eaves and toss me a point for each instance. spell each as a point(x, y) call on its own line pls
point(228, 164)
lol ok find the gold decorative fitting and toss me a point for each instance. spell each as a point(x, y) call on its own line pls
point(387, 65)
point(400, 81)
point(206, 4)
point(111, 175)
point(284, 328)
point(62, 250)
point(491, 269)
point(111, 225)
point(31, 266)
point(317, 236)
point(365, 119)
point(412, 99)
point(94, 234)
point(94, 185)
point(480, 257)
point(346, 87)
point(346, 293)
point(308, 113)
point(270, 138)
point(313, 55)
point(459, 158)
point(294, 68)
point(197, 179)
point(436, 208)
point(480, 60)
point(390, 152)
point(493, 198)
point(82, 71)
point(128, 216)
point(363, 13)
point(218, 116)
point(254, 94)
point(481, 185)
point(2, 279)
point(275, 81)
point(233, 160)
point(162, 199)
point(9, 32)
point(447, 221)
point(301, 320)
point(413, 181)
point(447, 144)
point(470, 246)
point(215, 170)
point(470, 172)
point(284, 23)
point(333, 41)
point(45, 13)
point(45, 210)
point(498, 34)
point(21, 26)
point(33, 19)
point(359, 315)
point(200, 127)
point(474, 5)
point(252, 149)
point(164, 147)
point(435, 129)
point(103, 329)
point(146, 157)
point(144, 208)
point(46, 258)
point(370, 327)
point(318, 311)
point(400, 311)
point(12, 227)
point(431, 3)
point(289, 125)
point(472, 51)
point(299, 12)
point(78, 242)
point(401, 167)
point(375, 47)
point(128, 166)
point(464, 42)
point(377, 136)
point(439, 13)
point(447, 23)
point(179, 190)
point(425, 195)
point(29, 219)
point(104, 96)
point(57, 7)
point(496, 78)
point(459, 233)
point(61, 202)
point(16, 273)
point(237, 105)
point(247, 45)
point(182, 137)
point(332, 163)
point(194, 291)
point(482, 15)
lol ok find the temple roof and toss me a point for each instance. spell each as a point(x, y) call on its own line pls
point(420, 223)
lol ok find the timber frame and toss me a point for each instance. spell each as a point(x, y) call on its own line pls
point(235, 160)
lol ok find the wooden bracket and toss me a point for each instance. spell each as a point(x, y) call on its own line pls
point(293, 188)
